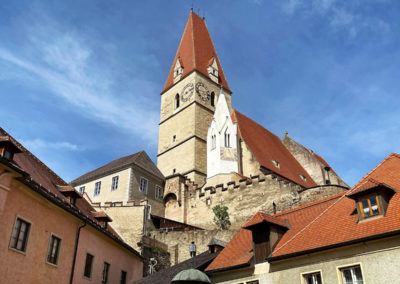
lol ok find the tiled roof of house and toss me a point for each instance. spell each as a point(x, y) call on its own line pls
point(329, 222)
point(238, 252)
point(261, 217)
point(41, 178)
point(267, 147)
point(140, 159)
point(195, 52)
point(165, 276)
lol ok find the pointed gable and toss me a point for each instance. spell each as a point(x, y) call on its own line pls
point(270, 151)
point(195, 52)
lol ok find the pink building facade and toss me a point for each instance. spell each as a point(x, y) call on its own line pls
point(49, 236)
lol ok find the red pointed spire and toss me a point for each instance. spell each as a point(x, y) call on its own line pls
point(195, 52)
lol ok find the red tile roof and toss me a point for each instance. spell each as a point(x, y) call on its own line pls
point(49, 181)
point(195, 52)
point(266, 147)
point(260, 217)
point(328, 222)
point(237, 252)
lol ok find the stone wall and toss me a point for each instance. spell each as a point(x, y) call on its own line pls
point(243, 199)
point(178, 242)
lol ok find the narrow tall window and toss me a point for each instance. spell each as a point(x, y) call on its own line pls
point(312, 278)
point(159, 192)
point(213, 142)
point(19, 238)
point(352, 275)
point(143, 185)
point(97, 187)
point(106, 270)
point(177, 101)
point(88, 265)
point(212, 99)
point(114, 183)
point(227, 139)
point(82, 190)
point(123, 277)
point(54, 249)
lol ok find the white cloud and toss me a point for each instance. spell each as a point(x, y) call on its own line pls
point(62, 62)
point(38, 144)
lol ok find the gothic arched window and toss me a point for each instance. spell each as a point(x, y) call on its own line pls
point(177, 101)
point(227, 139)
point(212, 99)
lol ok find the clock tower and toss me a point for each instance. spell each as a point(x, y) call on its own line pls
point(188, 102)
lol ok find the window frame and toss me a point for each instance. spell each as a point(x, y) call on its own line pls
point(305, 274)
point(82, 191)
point(140, 185)
point(95, 187)
point(26, 240)
point(114, 185)
point(123, 272)
point(107, 273)
point(91, 266)
point(162, 191)
point(353, 265)
point(58, 249)
point(361, 207)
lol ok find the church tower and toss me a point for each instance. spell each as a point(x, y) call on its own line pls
point(188, 103)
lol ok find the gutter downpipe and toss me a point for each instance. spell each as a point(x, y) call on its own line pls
point(75, 252)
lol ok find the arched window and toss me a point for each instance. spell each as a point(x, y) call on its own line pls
point(213, 142)
point(212, 99)
point(227, 139)
point(177, 101)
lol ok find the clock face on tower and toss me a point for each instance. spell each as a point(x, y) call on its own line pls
point(202, 91)
point(187, 92)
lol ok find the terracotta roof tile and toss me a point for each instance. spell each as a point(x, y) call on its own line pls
point(266, 147)
point(261, 217)
point(237, 252)
point(195, 51)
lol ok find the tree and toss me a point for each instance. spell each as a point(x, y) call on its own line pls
point(221, 217)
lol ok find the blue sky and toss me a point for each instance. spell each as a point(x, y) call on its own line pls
point(80, 80)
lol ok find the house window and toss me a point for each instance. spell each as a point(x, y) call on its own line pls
point(97, 188)
point(369, 206)
point(19, 238)
point(88, 265)
point(303, 177)
point(82, 190)
point(213, 142)
point(72, 200)
point(312, 278)
point(123, 277)
point(351, 275)
point(106, 269)
point(143, 185)
point(174, 138)
point(252, 282)
point(54, 249)
point(176, 101)
point(114, 183)
point(227, 139)
point(212, 99)
point(159, 192)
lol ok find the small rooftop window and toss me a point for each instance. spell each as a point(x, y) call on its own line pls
point(303, 177)
point(276, 164)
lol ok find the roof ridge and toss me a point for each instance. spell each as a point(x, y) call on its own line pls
point(371, 171)
point(193, 40)
point(310, 223)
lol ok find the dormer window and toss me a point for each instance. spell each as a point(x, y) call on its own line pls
point(372, 199)
point(212, 70)
point(369, 206)
point(70, 193)
point(276, 164)
point(303, 177)
point(8, 148)
point(178, 70)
